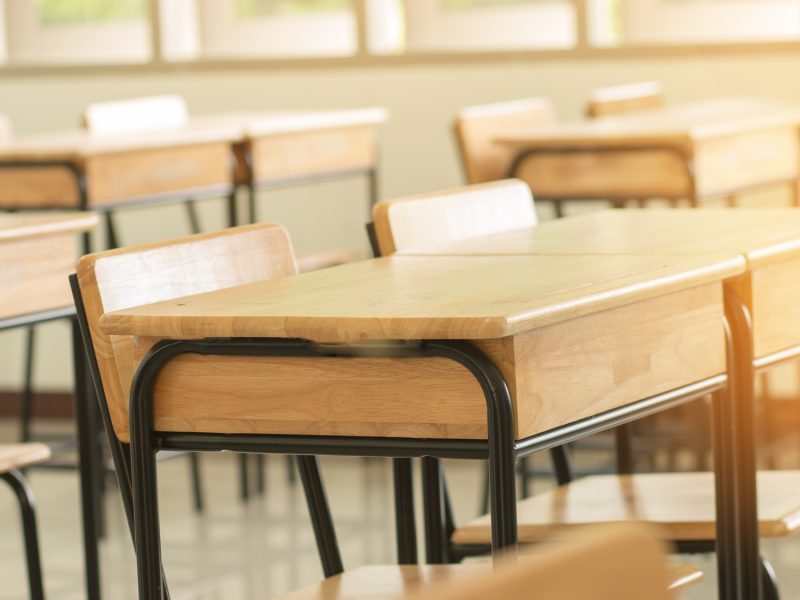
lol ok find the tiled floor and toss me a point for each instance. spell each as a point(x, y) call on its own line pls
point(260, 549)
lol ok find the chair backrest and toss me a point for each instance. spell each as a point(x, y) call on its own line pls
point(624, 98)
point(426, 221)
point(476, 127)
point(149, 273)
point(153, 113)
point(611, 562)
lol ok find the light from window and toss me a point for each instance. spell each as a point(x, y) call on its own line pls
point(250, 9)
point(468, 4)
point(59, 12)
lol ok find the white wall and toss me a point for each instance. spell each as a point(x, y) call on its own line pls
point(418, 152)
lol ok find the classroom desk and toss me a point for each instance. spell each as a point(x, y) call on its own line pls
point(352, 357)
point(280, 148)
point(211, 156)
point(37, 254)
point(699, 151)
point(769, 240)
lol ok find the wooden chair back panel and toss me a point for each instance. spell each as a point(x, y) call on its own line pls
point(426, 221)
point(476, 127)
point(625, 98)
point(150, 273)
point(153, 113)
point(612, 562)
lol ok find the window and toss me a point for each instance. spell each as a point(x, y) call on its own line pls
point(50, 32)
point(277, 28)
point(59, 12)
point(647, 22)
point(468, 25)
point(77, 31)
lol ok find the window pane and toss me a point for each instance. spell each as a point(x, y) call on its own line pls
point(248, 9)
point(55, 12)
point(467, 4)
point(488, 25)
point(620, 22)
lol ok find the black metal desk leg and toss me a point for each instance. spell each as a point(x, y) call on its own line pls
point(405, 521)
point(742, 382)
point(88, 470)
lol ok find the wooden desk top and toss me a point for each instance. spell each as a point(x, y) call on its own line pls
point(263, 123)
point(760, 235)
point(230, 128)
point(77, 145)
point(424, 297)
point(17, 226)
point(670, 125)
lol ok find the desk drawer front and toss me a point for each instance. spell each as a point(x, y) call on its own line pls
point(589, 365)
point(310, 153)
point(129, 175)
point(33, 274)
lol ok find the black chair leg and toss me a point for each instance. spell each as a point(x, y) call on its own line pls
point(26, 399)
point(244, 478)
point(28, 511)
point(191, 213)
point(197, 482)
point(112, 240)
point(320, 514)
point(769, 582)
point(261, 476)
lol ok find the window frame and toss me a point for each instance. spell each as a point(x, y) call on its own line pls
point(164, 55)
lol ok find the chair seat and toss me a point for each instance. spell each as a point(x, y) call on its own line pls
point(682, 575)
point(398, 582)
point(383, 582)
point(681, 504)
point(16, 456)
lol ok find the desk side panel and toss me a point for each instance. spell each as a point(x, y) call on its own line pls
point(34, 274)
point(727, 164)
point(607, 174)
point(125, 176)
point(38, 187)
point(774, 290)
point(310, 153)
point(586, 366)
point(421, 398)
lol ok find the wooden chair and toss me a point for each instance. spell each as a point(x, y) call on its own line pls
point(13, 458)
point(149, 273)
point(120, 117)
point(627, 98)
point(445, 217)
point(681, 504)
point(154, 113)
point(476, 126)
